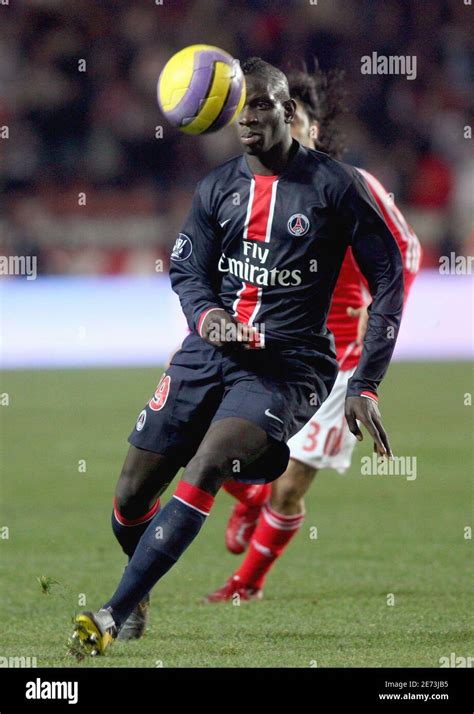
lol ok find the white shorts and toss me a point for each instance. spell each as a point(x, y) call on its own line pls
point(325, 442)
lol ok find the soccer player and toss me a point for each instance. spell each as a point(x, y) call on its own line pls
point(266, 524)
point(262, 245)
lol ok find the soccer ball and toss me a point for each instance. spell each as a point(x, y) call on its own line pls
point(201, 89)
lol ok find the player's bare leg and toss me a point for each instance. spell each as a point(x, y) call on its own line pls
point(229, 444)
point(289, 490)
point(278, 523)
point(144, 477)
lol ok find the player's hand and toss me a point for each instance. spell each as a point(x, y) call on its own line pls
point(362, 315)
point(214, 327)
point(367, 412)
point(219, 328)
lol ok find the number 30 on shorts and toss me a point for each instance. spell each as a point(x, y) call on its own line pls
point(160, 396)
point(332, 443)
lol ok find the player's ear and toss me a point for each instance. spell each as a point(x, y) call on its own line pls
point(314, 131)
point(289, 107)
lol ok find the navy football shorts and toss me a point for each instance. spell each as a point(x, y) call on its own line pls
point(278, 391)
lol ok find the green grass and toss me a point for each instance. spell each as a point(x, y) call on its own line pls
point(325, 601)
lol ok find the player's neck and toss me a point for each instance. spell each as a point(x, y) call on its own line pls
point(273, 162)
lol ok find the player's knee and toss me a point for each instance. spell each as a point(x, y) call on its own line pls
point(131, 493)
point(129, 500)
point(301, 473)
point(289, 490)
point(208, 470)
point(287, 500)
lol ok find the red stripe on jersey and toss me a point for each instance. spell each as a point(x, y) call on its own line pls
point(258, 226)
point(258, 220)
point(347, 293)
point(246, 302)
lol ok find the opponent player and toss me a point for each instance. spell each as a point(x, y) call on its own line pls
point(264, 242)
point(326, 441)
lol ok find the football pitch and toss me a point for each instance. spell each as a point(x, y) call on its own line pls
point(387, 582)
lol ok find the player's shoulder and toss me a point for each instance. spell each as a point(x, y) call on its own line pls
point(220, 174)
point(373, 183)
point(336, 175)
point(217, 181)
point(334, 167)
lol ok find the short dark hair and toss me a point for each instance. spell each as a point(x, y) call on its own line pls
point(323, 96)
point(257, 67)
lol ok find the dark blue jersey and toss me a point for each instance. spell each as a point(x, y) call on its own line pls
point(268, 249)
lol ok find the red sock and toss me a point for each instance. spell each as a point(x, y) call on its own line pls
point(272, 534)
point(250, 494)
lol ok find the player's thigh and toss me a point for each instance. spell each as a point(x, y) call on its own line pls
point(293, 485)
point(229, 445)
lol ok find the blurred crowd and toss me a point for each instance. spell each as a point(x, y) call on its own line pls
point(87, 186)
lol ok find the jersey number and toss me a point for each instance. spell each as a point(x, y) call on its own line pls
point(160, 396)
point(332, 444)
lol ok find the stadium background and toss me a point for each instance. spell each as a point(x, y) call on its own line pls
point(99, 301)
point(92, 132)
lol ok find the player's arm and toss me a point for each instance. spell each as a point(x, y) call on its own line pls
point(406, 238)
point(407, 241)
point(378, 257)
point(194, 274)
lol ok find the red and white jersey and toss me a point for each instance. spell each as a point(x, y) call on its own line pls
point(350, 286)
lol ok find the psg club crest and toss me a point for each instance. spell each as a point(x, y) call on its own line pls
point(183, 247)
point(298, 224)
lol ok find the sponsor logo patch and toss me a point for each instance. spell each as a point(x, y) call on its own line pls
point(182, 248)
point(298, 224)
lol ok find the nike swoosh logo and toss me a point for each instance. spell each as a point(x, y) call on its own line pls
point(272, 416)
point(224, 223)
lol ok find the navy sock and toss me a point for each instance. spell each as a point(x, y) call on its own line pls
point(128, 532)
point(168, 535)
